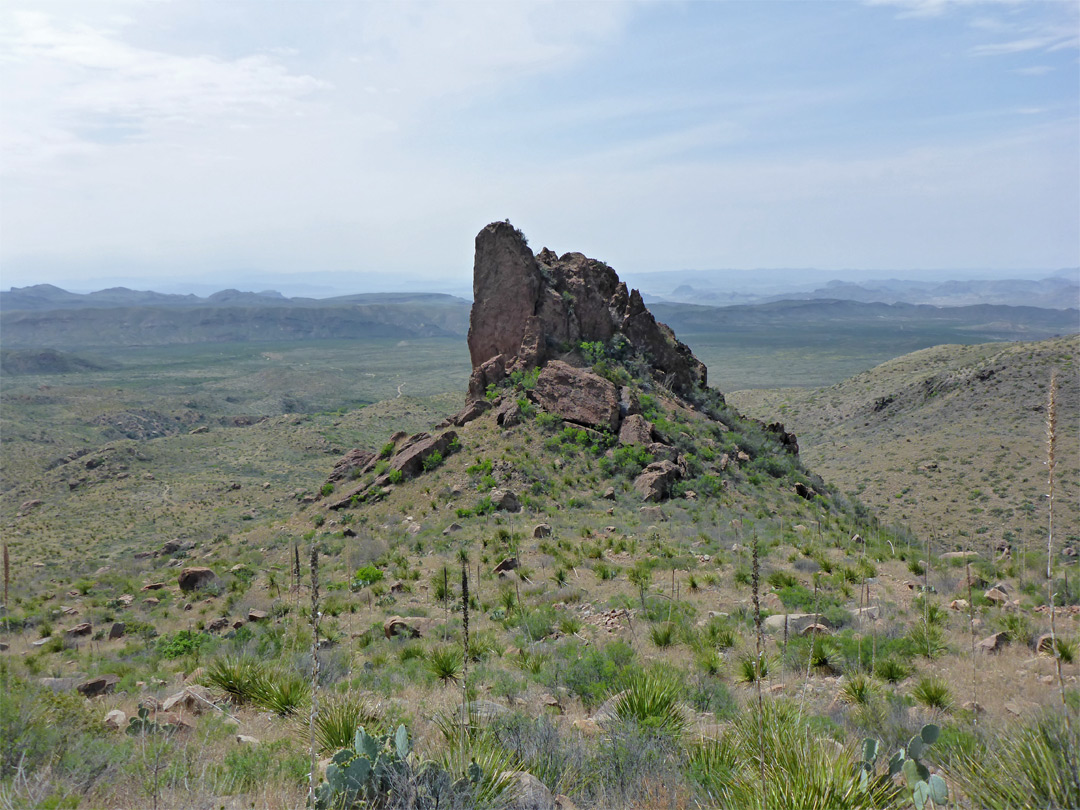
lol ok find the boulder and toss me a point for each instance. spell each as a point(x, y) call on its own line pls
point(993, 643)
point(117, 630)
point(453, 527)
point(636, 429)
point(79, 630)
point(505, 500)
point(528, 793)
point(609, 494)
point(797, 623)
point(654, 483)
point(153, 586)
point(788, 441)
point(996, 596)
point(508, 414)
point(959, 604)
point(958, 555)
point(244, 739)
point(542, 530)
point(218, 624)
point(1045, 644)
point(115, 720)
point(410, 459)
point(577, 395)
point(654, 513)
point(193, 579)
point(101, 685)
point(473, 410)
point(194, 699)
point(398, 626)
point(507, 565)
point(257, 615)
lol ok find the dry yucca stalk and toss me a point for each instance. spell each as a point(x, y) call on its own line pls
point(1051, 465)
point(314, 667)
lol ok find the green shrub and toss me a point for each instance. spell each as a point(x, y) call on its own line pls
point(652, 700)
point(933, 692)
point(364, 576)
point(338, 718)
point(444, 663)
point(184, 642)
point(593, 673)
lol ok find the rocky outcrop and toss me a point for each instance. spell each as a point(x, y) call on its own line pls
point(577, 395)
point(361, 460)
point(636, 429)
point(528, 309)
point(192, 579)
point(408, 460)
point(654, 483)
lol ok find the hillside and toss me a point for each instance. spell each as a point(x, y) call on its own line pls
point(950, 440)
point(597, 584)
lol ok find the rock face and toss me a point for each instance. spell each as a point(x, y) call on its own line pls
point(655, 481)
point(528, 309)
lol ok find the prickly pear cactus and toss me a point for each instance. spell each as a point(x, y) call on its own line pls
point(924, 786)
point(366, 773)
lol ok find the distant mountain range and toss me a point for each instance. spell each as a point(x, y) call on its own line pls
point(1059, 291)
point(46, 316)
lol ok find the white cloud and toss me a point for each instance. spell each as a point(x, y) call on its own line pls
point(71, 87)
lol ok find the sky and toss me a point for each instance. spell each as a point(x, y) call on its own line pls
point(171, 142)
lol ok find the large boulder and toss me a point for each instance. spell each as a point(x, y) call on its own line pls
point(410, 459)
point(194, 579)
point(101, 685)
point(577, 395)
point(654, 483)
point(797, 623)
point(528, 793)
point(359, 460)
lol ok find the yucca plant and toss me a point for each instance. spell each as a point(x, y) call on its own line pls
point(283, 693)
point(445, 663)
point(338, 719)
point(891, 671)
point(933, 692)
point(233, 675)
point(748, 668)
point(662, 635)
point(859, 690)
point(651, 699)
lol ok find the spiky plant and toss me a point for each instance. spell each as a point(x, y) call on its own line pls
point(859, 690)
point(933, 692)
point(651, 699)
point(445, 663)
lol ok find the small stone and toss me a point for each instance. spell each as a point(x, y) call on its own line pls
point(115, 720)
point(244, 739)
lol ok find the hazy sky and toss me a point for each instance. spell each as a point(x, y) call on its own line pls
point(154, 139)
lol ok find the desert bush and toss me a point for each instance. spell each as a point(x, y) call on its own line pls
point(338, 718)
point(592, 673)
point(651, 699)
point(444, 663)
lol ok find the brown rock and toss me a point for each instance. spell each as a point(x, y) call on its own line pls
point(257, 615)
point(473, 410)
point(508, 414)
point(115, 720)
point(996, 595)
point(410, 459)
point(994, 643)
point(654, 483)
point(101, 685)
point(528, 793)
point(542, 530)
point(636, 429)
point(577, 395)
point(357, 459)
point(78, 630)
point(398, 626)
point(218, 624)
point(194, 699)
point(117, 630)
point(153, 586)
point(1045, 644)
point(507, 565)
point(193, 579)
point(609, 494)
point(505, 500)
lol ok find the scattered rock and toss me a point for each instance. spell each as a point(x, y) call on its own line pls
point(194, 699)
point(802, 490)
point(959, 604)
point(218, 624)
point(257, 615)
point(473, 410)
point(453, 527)
point(192, 579)
point(796, 623)
point(507, 565)
point(654, 483)
point(505, 500)
point(542, 530)
point(78, 630)
point(244, 739)
point(609, 494)
point(993, 643)
point(117, 630)
point(101, 685)
point(654, 513)
point(528, 793)
point(153, 586)
point(398, 626)
point(509, 414)
point(115, 720)
point(356, 462)
point(996, 596)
